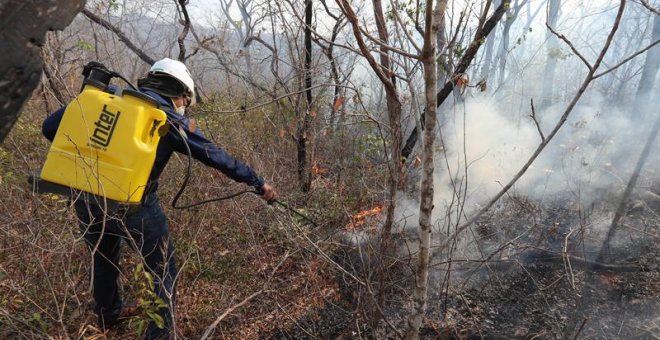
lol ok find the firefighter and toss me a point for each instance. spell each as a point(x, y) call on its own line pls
point(144, 227)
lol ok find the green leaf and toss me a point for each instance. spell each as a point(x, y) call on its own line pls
point(140, 327)
point(160, 303)
point(85, 45)
point(113, 4)
point(136, 271)
point(157, 319)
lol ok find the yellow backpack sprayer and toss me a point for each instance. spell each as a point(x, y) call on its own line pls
point(106, 142)
point(106, 145)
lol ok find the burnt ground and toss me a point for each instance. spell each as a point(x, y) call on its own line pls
point(556, 280)
point(536, 274)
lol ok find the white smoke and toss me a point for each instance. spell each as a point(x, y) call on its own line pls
point(596, 149)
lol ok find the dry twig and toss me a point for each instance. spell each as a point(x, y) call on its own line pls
point(536, 122)
point(215, 323)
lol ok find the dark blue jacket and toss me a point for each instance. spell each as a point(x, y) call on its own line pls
point(201, 148)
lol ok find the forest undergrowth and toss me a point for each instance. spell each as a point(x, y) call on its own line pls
point(525, 270)
point(226, 251)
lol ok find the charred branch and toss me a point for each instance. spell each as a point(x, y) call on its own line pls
point(472, 50)
point(462, 66)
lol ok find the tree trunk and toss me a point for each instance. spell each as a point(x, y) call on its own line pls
point(649, 73)
point(24, 24)
point(394, 117)
point(304, 176)
point(426, 205)
point(334, 75)
point(511, 16)
point(488, 53)
point(551, 62)
point(186, 27)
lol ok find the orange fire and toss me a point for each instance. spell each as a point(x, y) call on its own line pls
point(318, 170)
point(360, 218)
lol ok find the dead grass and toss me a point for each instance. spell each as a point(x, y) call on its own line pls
point(225, 251)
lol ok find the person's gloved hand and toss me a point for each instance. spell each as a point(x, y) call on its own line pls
point(268, 193)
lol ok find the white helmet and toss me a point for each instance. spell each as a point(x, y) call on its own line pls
point(177, 70)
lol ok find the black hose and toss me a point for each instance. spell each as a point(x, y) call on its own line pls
point(186, 179)
point(258, 192)
point(115, 74)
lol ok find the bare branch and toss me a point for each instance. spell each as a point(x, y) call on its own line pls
point(411, 40)
point(204, 43)
point(585, 83)
point(51, 81)
point(391, 48)
point(275, 99)
point(568, 42)
point(262, 42)
point(122, 37)
point(649, 7)
point(536, 122)
point(327, 10)
point(215, 323)
point(352, 18)
point(624, 61)
point(184, 33)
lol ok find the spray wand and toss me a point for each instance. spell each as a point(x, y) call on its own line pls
point(287, 207)
point(258, 191)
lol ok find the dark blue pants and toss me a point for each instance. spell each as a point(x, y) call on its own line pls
point(145, 229)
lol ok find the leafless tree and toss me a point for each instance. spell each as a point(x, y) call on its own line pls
point(385, 73)
point(304, 171)
point(433, 20)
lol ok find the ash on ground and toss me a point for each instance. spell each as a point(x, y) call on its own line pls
point(527, 270)
point(543, 270)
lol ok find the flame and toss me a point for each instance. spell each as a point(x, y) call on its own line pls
point(360, 218)
point(369, 212)
point(318, 170)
